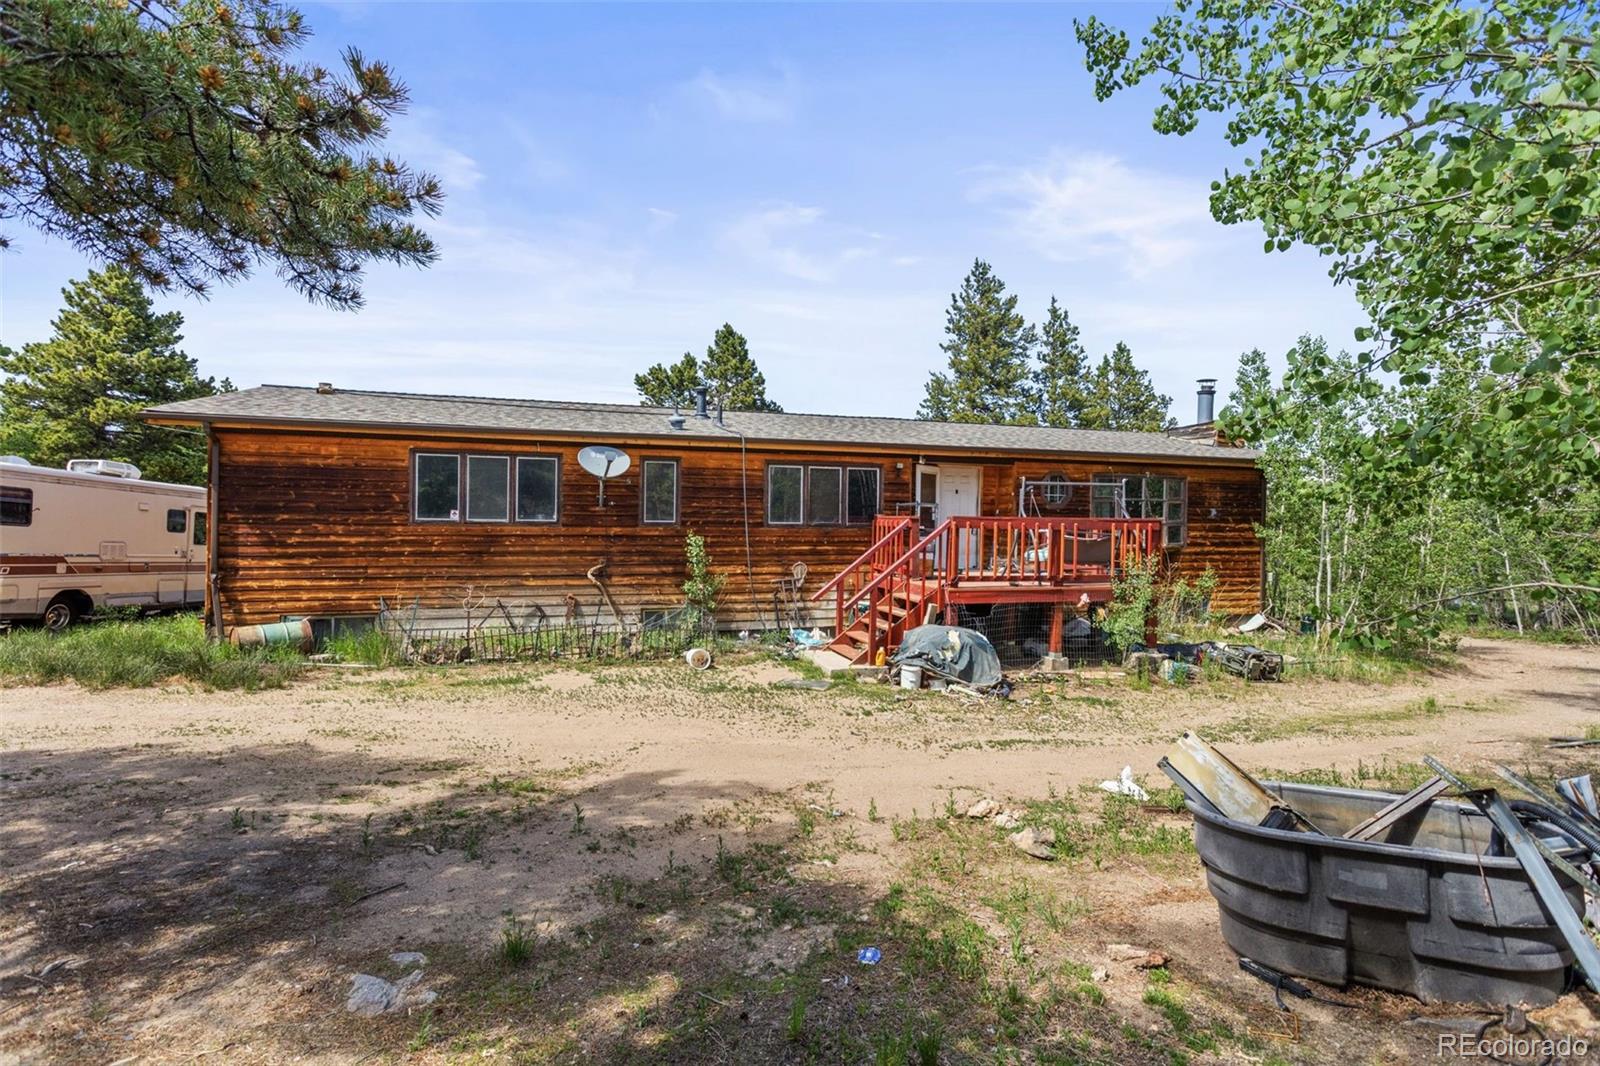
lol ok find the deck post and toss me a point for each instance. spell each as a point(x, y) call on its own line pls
point(1057, 611)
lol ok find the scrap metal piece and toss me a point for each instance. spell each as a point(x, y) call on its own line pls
point(1384, 820)
point(1204, 773)
point(1533, 855)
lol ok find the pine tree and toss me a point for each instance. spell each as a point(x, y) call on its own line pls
point(1061, 380)
point(988, 344)
point(669, 384)
point(1122, 397)
point(732, 376)
point(78, 395)
point(184, 142)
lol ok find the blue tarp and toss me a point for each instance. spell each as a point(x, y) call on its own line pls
point(951, 652)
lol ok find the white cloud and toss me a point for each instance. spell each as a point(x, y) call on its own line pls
point(1091, 205)
point(747, 99)
point(794, 240)
point(414, 140)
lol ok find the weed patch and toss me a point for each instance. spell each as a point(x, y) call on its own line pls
point(143, 653)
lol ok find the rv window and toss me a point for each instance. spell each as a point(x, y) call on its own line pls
point(823, 495)
point(177, 521)
point(660, 492)
point(200, 528)
point(437, 495)
point(16, 506)
point(486, 488)
point(864, 494)
point(785, 495)
point(538, 488)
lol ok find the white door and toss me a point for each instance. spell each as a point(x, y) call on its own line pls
point(960, 494)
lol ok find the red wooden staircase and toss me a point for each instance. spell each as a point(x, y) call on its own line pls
point(903, 581)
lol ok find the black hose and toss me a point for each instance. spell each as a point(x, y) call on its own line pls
point(1569, 826)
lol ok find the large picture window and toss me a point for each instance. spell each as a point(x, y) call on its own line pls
point(864, 495)
point(659, 493)
point(456, 486)
point(786, 495)
point(822, 495)
point(538, 488)
point(437, 493)
point(1122, 496)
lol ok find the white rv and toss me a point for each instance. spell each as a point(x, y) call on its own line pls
point(96, 535)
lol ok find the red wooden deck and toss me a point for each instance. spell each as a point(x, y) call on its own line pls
point(902, 579)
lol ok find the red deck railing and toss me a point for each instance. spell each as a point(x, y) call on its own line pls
point(891, 538)
point(1004, 555)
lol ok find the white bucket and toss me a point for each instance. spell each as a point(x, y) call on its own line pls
point(699, 658)
point(910, 676)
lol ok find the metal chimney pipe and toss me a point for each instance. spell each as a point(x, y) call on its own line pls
point(1206, 401)
point(700, 402)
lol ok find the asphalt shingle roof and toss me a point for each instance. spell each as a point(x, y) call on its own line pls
point(348, 407)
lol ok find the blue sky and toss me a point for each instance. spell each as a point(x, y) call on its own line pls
point(621, 179)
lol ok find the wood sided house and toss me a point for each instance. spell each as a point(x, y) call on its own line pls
point(325, 501)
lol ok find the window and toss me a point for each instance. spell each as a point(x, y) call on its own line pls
point(659, 493)
point(785, 495)
point(448, 487)
point(199, 528)
point(488, 498)
point(824, 495)
point(438, 488)
point(16, 506)
point(864, 494)
point(1143, 497)
point(538, 488)
point(177, 520)
point(1053, 489)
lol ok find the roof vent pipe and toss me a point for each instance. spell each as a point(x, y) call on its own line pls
point(325, 388)
point(700, 402)
point(676, 421)
point(1206, 401)
point(719, 412)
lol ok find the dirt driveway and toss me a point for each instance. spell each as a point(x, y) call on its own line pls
point(694, 857)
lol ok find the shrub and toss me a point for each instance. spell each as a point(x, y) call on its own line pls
point(702, 587)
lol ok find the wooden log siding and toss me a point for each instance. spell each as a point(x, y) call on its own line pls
point(319, 522)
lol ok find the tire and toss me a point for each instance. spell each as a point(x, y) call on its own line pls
point(60, 615)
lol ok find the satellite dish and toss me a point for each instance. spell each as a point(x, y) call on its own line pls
point(604, 461)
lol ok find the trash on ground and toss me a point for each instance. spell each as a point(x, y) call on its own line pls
point(807, 638)
point(372, 996)
point(1142, 958)
point(811, 684)
point(1443, 900)
point(950, 652)
point(1247, 661)
point(984, 808)
point(869, 956)
point(1036, 842)
point(698, 658)
point(1125, 785)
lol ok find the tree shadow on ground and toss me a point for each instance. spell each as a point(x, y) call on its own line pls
point(197, 903)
